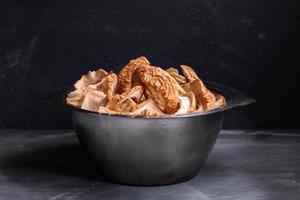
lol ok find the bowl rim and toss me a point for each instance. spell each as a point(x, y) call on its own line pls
point(166, 116)
point(234, 98)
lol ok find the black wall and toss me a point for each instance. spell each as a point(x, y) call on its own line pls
point(250, 45)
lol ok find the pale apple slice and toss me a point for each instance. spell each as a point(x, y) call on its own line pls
point(75, 98)
point(126, 105)
point(147, 107)
point(193, 102)
point(89, 79)
point(135, 93)
point(93, 99)
point(184, 105)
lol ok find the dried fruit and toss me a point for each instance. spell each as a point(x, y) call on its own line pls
point(161, 88)
point(203, 96)
point(108, 84)
point(76, 97)
point(193, 103)
point(184, 105)
point(175, 74)
point(91, 78)
point(112, 101)
point(147, 108)
point(189, 73)
point(135, 93)
point(220, 100)
point(172, 70)
point(180, 79)
point(143, 89)
point(126, 104)
point(93, 99)
point(125, 76)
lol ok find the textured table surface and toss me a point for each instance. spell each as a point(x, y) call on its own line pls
point(243, 165)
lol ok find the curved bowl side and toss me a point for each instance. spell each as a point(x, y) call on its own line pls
point(139, 151)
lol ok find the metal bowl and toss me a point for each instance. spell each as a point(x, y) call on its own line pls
point(153, 151)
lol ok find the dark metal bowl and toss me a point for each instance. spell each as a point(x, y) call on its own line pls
point(153, 151)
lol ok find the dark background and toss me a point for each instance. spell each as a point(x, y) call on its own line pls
point(250, 45)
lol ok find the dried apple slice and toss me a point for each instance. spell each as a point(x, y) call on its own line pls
point(208, 100)
point(189, 73)
point(220, 100)
point(135, 93)
point(180, 79)
point(75, 98)
point(76, 94)
point(126, 105)
point(143, 98)
point(196, 100)
point(125, 76)
point(91, 78)
point(93, 99)
point(175, 74)
point(108, 84)
point(193, 102)
point(203, 96)
point(184, 105)
point(148, 108)
point(162, 87)
point(172, 70)
point(147, 94)
point(73, 102)
point(106, 110)
point(112, 101)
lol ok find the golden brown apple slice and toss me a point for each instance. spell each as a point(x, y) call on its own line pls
point(175, 74)
point(220, 100)
point(125, 76)
point(172, 70)
point(193, 102)
point(112, 101)
point(203, 96)
point(162, 87)
point(180, 79)
point(189, 73)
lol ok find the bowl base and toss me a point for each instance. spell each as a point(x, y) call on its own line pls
point(150, 183)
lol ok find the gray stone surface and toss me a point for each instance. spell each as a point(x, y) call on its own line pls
point(242, 165)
